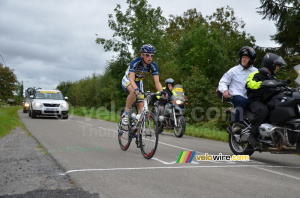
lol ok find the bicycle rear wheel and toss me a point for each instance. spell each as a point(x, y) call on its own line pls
point(124, 136)
point(149, 136)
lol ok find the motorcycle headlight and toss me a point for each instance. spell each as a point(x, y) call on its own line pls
point(178, 102)
point(26, 104)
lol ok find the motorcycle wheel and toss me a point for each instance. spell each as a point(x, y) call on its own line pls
point(160, 128)
point(239, 148)
point(179, 131)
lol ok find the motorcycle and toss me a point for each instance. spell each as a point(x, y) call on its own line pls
point(171, 116)
point(281, 132)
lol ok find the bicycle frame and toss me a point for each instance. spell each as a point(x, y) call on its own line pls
point(146, 126)
point(144, 112)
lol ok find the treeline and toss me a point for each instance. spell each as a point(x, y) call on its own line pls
point(193, 50)
point(11, 91)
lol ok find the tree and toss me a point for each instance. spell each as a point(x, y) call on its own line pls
point(286, 14)
point(179, 25)
point(21, 90)
point(7, 82)
point(140, 24)
point(212, 46)
point(205, 52)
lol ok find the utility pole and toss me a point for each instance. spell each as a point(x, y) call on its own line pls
point(3, 60)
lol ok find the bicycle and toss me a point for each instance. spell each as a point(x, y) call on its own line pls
point(147, 125)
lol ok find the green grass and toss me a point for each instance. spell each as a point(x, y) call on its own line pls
point(96, 113)
point(9, 119)
point(208, 131)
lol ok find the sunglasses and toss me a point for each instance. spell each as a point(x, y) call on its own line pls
point(149, 55)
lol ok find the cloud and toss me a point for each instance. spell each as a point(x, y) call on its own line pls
point(50, 41)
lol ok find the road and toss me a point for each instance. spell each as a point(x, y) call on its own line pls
point(88, 150)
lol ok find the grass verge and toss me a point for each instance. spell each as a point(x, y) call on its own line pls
point(191, 130)
point(9, 119)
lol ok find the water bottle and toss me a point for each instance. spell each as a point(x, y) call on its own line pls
point(138, 116)
point(133, 116)
point(133, 119)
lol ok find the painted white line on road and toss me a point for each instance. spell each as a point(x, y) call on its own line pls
point(183, 167)
point(83, 123)
point(168, 163)
point(115, 131)
point(149, 168)
point(278, 173)
point(170, 145)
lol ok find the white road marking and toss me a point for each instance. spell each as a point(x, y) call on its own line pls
point(278, 173)
point(170, 145)
point(164, 161)
point(182, 148)
point(262, 167)
point(149, 168)
point(115, 131)
point(83, 123)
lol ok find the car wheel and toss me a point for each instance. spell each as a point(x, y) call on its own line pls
point(65, 117)
point(33, 115)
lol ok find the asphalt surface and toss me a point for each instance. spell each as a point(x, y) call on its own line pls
point(28, 172)
point(89, 153)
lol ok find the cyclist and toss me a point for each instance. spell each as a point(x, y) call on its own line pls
point(132, 81)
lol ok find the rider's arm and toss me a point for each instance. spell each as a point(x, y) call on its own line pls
point(224, 83)
point(157, 83)
point(132, 80)
point(253, 82)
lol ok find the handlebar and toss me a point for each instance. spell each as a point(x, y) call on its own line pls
point(273, 84)
point(148, 93)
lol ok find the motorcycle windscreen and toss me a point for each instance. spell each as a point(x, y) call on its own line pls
point(178, 89)
point(297, 69)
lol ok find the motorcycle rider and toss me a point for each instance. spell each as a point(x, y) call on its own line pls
point(258, 95)
point(168, 93)
point(232, 84)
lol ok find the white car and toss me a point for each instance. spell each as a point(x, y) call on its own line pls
point(48, 103)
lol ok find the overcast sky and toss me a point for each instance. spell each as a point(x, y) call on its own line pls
point(50, 41)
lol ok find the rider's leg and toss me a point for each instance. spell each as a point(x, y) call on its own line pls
point(140, 106)
point(240, 103)
point(261, 113)
point(130, 98)
point(129, 101)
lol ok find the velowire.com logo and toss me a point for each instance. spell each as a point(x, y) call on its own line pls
point(187, 157)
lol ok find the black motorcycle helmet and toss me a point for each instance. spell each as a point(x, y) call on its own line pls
point(169, 81)
point(271, 60)
point(247, 51)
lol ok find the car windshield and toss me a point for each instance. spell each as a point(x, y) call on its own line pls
point(53, 95)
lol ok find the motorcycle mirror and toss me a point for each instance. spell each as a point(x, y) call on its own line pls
point(297, 81)
point(297, 69)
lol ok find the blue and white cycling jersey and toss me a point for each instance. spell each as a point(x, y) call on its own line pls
point(140, 71)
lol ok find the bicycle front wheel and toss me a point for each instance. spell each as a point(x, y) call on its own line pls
point(149, 135)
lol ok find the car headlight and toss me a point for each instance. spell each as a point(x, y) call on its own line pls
point(178, 102)
point(65, 105)
point(38, 104)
